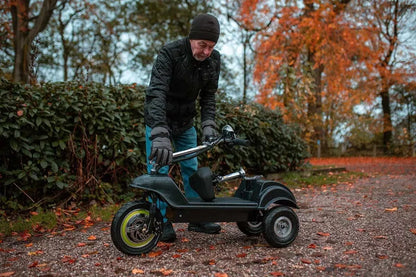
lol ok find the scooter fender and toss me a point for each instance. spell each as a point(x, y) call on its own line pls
point(164, 186)
point(276, 193)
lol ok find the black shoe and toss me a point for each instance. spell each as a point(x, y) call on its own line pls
point(205, 227)
point(168, 234)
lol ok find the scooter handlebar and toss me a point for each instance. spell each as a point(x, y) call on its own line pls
point(242, 142)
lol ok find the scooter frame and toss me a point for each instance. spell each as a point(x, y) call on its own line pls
point(258, 206)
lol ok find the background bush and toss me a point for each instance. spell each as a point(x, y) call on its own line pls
point(72, 141)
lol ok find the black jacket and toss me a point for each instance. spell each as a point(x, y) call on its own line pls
point(176, 82)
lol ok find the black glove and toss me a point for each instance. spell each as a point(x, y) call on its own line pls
point(161, 151)
point(209, 130)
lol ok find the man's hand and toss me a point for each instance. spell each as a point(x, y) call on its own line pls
point(209, 130)
point(161, 151)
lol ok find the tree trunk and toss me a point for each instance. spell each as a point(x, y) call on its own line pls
point(23, 36)
point(387, 124)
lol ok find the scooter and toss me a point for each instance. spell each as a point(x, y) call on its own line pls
point(258, 206)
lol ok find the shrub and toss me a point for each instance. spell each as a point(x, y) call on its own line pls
point(62, 139)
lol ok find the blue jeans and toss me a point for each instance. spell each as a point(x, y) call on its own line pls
point(186, 140)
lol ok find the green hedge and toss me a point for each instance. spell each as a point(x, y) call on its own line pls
point(275, 146)
point(70, 141)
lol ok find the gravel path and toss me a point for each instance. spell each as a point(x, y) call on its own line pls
point(365, 228)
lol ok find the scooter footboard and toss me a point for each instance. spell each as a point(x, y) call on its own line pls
point(217, 214)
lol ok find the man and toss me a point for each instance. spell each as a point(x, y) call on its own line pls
point(185, 70)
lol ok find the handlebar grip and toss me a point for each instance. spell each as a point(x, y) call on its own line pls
point(241, 142)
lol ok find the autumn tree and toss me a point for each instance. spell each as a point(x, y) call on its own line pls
point(307, 60)
point(28, 20)
point(393, 41)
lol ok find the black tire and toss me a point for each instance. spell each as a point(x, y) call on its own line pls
point(281, 226)
point(250, 228)
point(131, 230)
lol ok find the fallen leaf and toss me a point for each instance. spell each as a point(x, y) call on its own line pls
point(166, 272)
point(320, 268)
point(413, 231)
point(211, 262)
point(6, 274)
point(182, 250)
point(29, 244)
point(81, 244)
point(34, 264)
point(277, 273)
point(220, 274)
point(350, 252)
point(241, 255)
point(391, 209)
point(68, 259)
point(323, 234)
point(312, 245)
point(380, 237)
point(175, 256)
point(155, 254)
point(137, 271)
point(306, 261)
point(92, 238)
point(34, 253)
point(399, 265)
point(382, 257)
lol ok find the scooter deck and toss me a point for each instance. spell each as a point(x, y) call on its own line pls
point(224, 209)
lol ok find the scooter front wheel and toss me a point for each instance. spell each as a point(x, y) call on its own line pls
point(250, 228)
point(281, 226)
point(135, 229)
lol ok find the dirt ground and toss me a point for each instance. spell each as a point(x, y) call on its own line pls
point(364, 228)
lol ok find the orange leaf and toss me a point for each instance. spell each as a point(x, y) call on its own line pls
point(413, 231)
point(155, 254)
point(176, 256)
point(6, 274)
point(29, 244)
point(306, 261)
point(277, 273)
point(322, 234)
point(34, 264)
point(382, 257)
point(92, 238)
point(349, 252)
point(241, 255)
point(380, 237)
point(391, 209)
point(81, 244)
point(220, 274)
point(312, 245)
point(137, 271)
point(399, 265)
point(166, 272)
point(211, 262)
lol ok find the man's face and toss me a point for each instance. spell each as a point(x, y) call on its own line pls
point(201, 49)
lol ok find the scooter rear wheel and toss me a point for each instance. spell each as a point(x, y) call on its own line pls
point(281, 226)
point(134, 230)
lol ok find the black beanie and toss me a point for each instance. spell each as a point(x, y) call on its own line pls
point(206, 27)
